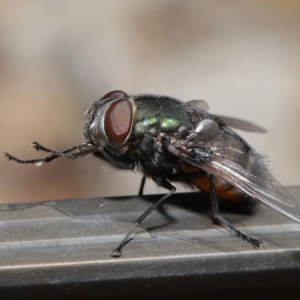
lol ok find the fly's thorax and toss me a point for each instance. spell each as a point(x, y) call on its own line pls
point(157, 115)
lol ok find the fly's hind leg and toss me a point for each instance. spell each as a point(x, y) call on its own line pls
point(216, 214)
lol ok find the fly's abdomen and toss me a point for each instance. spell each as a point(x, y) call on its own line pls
point(198, 178)
point(223, 189)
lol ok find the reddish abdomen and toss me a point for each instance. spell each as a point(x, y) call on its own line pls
point(223, 189)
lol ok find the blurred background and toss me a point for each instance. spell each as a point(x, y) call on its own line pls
point(58, 57)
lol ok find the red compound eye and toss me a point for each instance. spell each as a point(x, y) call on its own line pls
point(117, 121)
point(114, 94)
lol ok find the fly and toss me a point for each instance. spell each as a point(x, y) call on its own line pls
point(168, 140)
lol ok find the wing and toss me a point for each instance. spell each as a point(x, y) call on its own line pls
point(228, 121)
point(226, 155)
point(241, 124)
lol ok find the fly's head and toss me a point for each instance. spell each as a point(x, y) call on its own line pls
point(110, 121)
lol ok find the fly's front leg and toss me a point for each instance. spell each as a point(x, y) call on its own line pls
point(161, 181)
point(215, 207)
point(40, 161)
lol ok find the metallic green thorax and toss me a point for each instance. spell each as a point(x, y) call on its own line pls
point(159, 115)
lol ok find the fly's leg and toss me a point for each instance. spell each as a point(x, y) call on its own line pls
point(160, 208)
point(141, 190)
point(82, 151)
point(55, 154)
point(215, 207)
point(38, 147)
point(39, 161)
point(161, 182)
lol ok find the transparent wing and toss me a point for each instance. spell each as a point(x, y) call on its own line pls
point(224, 156)
point(241, 124)
point(263, 187)
point(228, 121)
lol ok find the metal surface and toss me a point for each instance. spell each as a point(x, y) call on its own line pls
point(61, 250)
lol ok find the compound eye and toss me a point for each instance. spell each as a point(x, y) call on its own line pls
point(117, 121)
point(114, 94)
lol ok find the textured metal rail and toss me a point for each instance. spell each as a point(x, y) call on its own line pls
point(61, 250)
